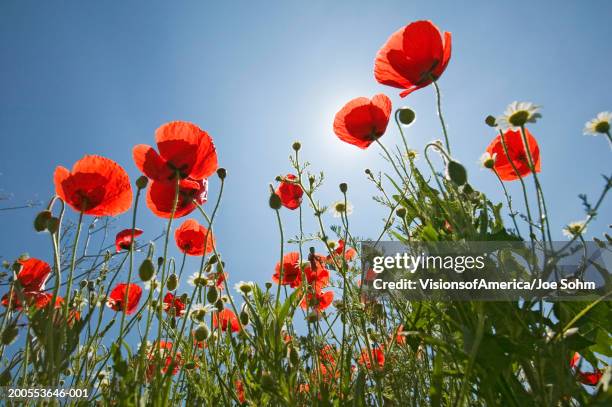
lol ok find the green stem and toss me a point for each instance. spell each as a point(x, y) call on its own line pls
point(439, 106)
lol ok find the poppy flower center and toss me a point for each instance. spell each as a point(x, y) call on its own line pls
point(88, 199)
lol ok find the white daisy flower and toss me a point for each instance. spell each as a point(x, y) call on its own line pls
point(197, 279)
point(598, 125)
point(575, 229)
point(339, 208)
point(487, 160)
point(153, 284)
point(198, 311)
point(518, 114)
point(411, 155)
point(244, 287)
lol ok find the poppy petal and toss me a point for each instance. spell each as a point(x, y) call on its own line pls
point(151, 164)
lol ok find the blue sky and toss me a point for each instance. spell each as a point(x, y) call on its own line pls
point(87, 78)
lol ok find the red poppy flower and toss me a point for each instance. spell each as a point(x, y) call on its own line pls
point(95, 186)
point(318, 300)
point(174, 303)
point(33, 274)
point(117, 296)
point(349, 254)
point(362, 121)
point(160, 197)
point(327, 355)
point(292, 275)
point(290, 193)
point(516, 155)
point(376, 354)
point(588, 378)
point(165, 353)
point(227, 320)
point(240, 391)
point(413, 56)
point(123, 240)
point(183, 148)
point(193, 238)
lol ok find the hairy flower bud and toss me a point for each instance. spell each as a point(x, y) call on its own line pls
point(222, 173)
point(296, 146)
point(172, 282)
point(406, 116)
point(53, 224)
point(201, 332)
point(343, 187)
point(146, 270)
point(490, 121)
point(456, 172)
point(41, 220)
point(275, 201)
point(244, 317)
point(141, 182)
point(212, 295)
point(401, 212)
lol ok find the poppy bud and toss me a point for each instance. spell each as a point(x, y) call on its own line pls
point(490, 121)
point(83, 283)
point(368, 171)
point(212, 295)
point(213, 259)
point(141, 182)
point(146, 270)
point(293, 356)
point(53, 224)
point(401, 212)
point(40, 221)
point(406, 116)
point(456, 172)
point(222, 173)
point(219, 305)
point(268, 285)
point(296, 146)
point(9, 334)
point(343, 187)
point(172, 282)
point(244, 317)
point(275, 201)
point(311, 179)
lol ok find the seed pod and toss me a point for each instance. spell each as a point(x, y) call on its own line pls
point(212, 295)
point(343, 187)
point(146, 270)
point(456, 172)
point(141, 182)
point(406, 116)
point(296, 146)
point(41, 220)
point(222, 173)
point(172, 282)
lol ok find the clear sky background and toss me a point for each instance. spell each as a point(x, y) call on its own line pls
point(82, 78)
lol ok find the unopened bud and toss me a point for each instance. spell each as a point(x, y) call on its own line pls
point(222, 173)
point(146, 270)
point(244, 317)
point(141, 182)
point(219, 305)
point(275, 201)
point(53, 224)
point(172, 282)
point(296, 146)
point(406, 116)
point(343, 187)
point(490, 121)
point(401, 212)
point(212, 295)
point(41, 220)
point(456, 172)
point(201, 332)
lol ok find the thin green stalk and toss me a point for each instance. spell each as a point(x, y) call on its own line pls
point(439, 106)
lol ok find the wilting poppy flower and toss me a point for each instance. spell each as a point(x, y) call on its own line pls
point(160, 197)
point(290, 193)
point(193, 238)
point(377, 355)
point(413, 57)
point(318, 300)
point(123, 240)
point(117, 297)
point(362, 121)
point(33, 274)
point(95, 186)
point(174, 303)
point(184, 148)
point(165, 353)
point(227, 320)
point(240, 391)
point(516, 155)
